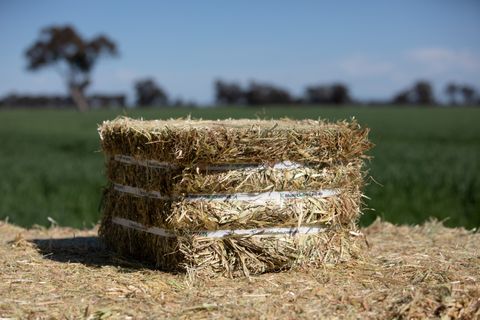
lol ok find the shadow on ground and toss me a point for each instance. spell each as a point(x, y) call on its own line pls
point(89, 251)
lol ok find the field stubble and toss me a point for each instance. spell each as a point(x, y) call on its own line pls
point(419, 272)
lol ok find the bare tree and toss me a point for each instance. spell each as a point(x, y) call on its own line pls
point(149, 93)
point(73, 56)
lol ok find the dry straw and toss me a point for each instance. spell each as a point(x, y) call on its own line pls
point(189, 177)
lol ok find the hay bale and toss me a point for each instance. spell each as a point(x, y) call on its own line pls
point(290, 189)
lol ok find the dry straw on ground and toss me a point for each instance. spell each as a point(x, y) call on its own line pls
point(409, 272)
point(176, 174)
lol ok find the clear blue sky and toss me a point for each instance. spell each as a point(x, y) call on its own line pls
point(376, 47)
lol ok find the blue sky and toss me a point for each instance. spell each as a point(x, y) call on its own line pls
point(376, 47)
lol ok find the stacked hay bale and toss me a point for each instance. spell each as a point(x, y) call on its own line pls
point(233, 197)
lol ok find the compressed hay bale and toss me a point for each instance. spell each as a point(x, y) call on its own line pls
point(190, 142)
point(183, 214)
point(234, 256)
point(343, 208)
point(190, 178)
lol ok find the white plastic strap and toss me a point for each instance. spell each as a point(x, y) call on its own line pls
point(139, 192)
point(221, 167)
point(145, 163)
point(140, 227)
point(263, 197)
point(257, 198)
point(291, 231)
point(253, 166)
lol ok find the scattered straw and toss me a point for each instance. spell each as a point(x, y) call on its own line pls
point(412, 272)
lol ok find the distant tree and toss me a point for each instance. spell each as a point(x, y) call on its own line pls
point(403, 97)
point(73, 56)
point(228, 93)
point(149, 93)
point(420, 93)
point(451, 90)
point(340, 94)
point(37, 101)
point(469, 94)
point(264, 94)
point(107, 100)
point(318, 94)
point(336, 93)
point(423, 93)
point(191, 104)
point(178, 102)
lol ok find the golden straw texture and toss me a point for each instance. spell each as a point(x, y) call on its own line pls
point(185, 175)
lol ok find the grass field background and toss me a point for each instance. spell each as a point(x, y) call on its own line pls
point(426, 162)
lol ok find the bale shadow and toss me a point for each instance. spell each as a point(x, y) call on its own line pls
point(90, 251)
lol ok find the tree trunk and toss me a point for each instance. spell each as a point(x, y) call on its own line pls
point(79, 98)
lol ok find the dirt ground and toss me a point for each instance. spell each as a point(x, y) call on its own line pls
point(409, 272)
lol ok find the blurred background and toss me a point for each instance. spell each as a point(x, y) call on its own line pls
point(409, 70)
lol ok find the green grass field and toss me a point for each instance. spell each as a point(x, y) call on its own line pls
point(426, 161)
